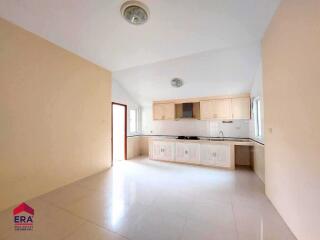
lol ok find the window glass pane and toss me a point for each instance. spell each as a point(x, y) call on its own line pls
point(133, 120)
point(257, 117)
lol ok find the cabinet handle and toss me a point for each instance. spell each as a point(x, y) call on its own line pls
point(214, 154)
point(186, 152)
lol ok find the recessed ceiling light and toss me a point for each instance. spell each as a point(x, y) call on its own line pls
point(176, 82)
point(135, 12)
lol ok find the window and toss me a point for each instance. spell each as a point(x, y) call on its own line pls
point(133, 120)
point(257, 117)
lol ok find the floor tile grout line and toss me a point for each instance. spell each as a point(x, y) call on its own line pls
point(87, 220)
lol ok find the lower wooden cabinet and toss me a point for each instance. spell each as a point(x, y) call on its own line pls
point(188, 153)
point(216, 155)
point(160, 150)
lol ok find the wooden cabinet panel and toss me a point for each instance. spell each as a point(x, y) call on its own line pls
point(162, 150)
point(240, 108)
point(206, 112)
point(208, 154)
point(169, 111)
point(163, 111)
point(222, 109)
point(188, 152)
point(155, 148)
point(223, 156)
point(169, 151)
point(215, 155)
point(219, 109)
point(158, 112)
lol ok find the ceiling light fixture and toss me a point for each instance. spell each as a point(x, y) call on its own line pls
point(176, 82)
point(135, 12)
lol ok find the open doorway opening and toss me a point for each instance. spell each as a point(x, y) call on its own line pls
point(119, 132)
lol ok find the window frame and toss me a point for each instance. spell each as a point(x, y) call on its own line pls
point(135, 120)
point(256, 106)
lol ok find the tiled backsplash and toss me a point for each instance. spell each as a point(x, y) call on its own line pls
point(238, 128)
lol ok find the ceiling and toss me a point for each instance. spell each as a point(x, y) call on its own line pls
point(217, 72)
point(96, 31)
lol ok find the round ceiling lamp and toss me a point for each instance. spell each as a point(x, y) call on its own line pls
point(176, 82)
point(135, 12)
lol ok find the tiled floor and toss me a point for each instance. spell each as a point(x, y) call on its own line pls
point(150, 200)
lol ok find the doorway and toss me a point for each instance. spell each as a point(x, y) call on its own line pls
point(119, 132)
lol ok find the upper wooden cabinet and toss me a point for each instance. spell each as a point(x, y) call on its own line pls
point(219, 109)
point(213, 108)
point(163, 111)
point(225, 109)
point(240, 108)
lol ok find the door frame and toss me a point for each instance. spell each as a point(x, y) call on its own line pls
point(125, 130)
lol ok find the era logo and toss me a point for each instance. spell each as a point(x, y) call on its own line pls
point(23, 217)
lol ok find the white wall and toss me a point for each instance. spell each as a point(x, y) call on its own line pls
point(120, 95)
point(239, 128)
point(257, 91)
point(224, 72)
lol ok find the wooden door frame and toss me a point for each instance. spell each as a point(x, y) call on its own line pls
point(125, 129)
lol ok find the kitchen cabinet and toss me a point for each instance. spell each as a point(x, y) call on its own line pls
point(163, 111)
point(188, 152)
point(240, 108)
point(206, 110)
point(219, 109)
point(161, 150)
point(215, 155)
point(193, 152)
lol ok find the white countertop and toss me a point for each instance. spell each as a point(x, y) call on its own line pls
point(208, 141)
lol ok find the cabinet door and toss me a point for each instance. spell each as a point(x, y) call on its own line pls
point(180, 152)
point(206, 110)
point(192, 153)
point(222, 109)
point(168, 151)
point(188, 152)
point(158, 111)
point(241, 108)
point(169, 111)
point(156, 150)
point(208, 154)
point(163, 111)
point(223, 156)
point(162, 150)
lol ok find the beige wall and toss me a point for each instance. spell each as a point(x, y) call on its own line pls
point(133, 147)
point(54, 116)
point(144, 145)
point(137, 146)
point(291, 66)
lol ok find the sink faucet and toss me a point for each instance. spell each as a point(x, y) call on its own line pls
point(221, 134)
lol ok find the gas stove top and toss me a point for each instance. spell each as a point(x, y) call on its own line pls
point(188, 137)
